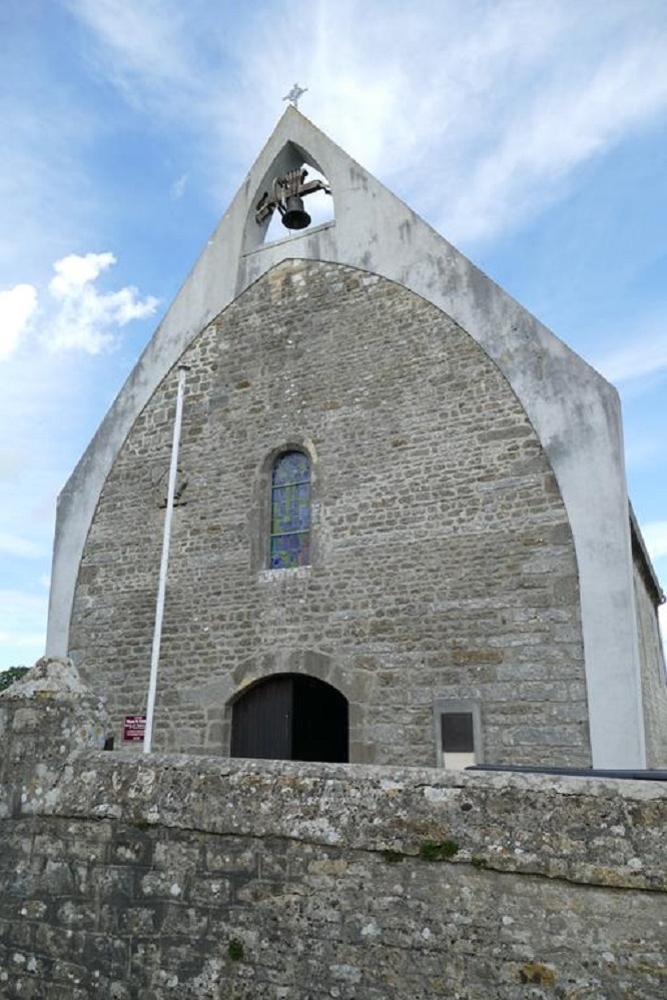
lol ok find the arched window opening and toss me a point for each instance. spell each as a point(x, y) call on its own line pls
point(290, 511)
point(291, 717)
point(315, 209)
point(292, 197)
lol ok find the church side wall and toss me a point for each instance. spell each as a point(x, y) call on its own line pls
point(443, 564)
point(654, 676)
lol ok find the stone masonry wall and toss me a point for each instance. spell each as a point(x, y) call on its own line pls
point(192, 877)
point(443, 564)
point(45, 716)
point(654, 675)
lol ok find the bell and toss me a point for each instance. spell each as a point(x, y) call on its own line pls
point(295, 216)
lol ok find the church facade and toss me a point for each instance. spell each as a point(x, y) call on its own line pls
point(401, 531)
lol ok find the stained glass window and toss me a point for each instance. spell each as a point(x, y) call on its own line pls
point(290, 511)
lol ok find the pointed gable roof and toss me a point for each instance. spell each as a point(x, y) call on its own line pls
point(574, 411)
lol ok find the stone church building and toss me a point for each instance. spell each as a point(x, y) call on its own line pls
point(401, 531)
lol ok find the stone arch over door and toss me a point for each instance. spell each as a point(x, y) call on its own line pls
point(291, 717)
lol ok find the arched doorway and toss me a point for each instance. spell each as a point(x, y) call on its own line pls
point(291, 717)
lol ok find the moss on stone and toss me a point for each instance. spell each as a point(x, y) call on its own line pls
point(538, 974)
point(235, 950)
point(393, 857)
point(438, 850)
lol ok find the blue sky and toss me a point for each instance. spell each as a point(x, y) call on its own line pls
point(530, 133)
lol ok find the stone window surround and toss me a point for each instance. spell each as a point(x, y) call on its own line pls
point(260, 510)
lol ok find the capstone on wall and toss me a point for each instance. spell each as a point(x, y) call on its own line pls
point(443, 564)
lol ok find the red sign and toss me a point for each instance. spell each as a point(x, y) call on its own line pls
point(134, 728)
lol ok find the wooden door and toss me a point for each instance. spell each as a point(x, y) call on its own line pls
point(291, 717)
point(262, 720)
point(320, 729)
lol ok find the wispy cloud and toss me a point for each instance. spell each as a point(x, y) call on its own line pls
point(13, 461)
point(558, 128)
point(14, 545)
point(642, 358)
point(655, 536)
point(146, 37)
point(46, 188)
point(17, 306)
point(496, 103)
point(179, 186)
point(151, 52)
point(22, 617)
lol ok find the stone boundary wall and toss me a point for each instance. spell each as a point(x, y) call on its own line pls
point(176, 876)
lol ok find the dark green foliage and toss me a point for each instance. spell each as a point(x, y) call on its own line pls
point(10, 675)
point(235, 950)
point(392, 857)
point(438, 850)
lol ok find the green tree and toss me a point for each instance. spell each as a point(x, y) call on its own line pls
point(10, 675)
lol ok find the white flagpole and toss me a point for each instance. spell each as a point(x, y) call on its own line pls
point(162, 586)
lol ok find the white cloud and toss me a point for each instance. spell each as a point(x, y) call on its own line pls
point(662, 620)
point(149, 51)
point(655, 536)
point(22, 634)
point(49, 405)
point(179, 186)
point(87, 319)
point(17, 307)
point(48, 190)
point(22, 640)
point(84, 318)
point(644, 357)
point(558, 124)
point(75, 271)
point(642, 449)
point(146, 37)
point(14, 545)
point(13, 461)
point(497, 104)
